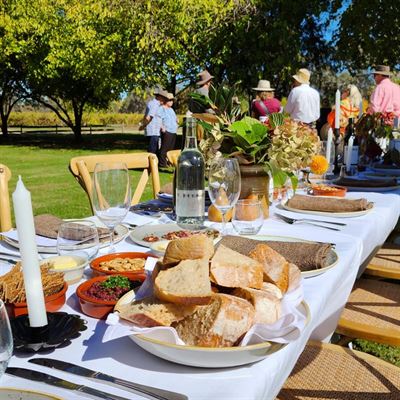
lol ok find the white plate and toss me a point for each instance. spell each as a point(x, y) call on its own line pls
point(387, 171)
point(21, 394)
point(328, 213)
point(140, 232)
point(207, 357)
point(121, 232)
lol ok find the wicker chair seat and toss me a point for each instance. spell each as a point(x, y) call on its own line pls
point(386, 262)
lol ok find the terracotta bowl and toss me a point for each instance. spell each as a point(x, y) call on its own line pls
point(53, 303)
point(97, 271)
point(98, 308)
point(329, 190)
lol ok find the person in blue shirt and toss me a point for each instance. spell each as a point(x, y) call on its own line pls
point(169, 128)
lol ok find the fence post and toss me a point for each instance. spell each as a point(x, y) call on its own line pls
point(56, 129)
point(20, 129)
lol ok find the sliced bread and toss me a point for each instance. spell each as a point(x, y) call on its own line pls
point(220, 324)
point(272, 289)
point(266, 305)
point(151, 312)
point(186, 283)
point(294, 276)
point(275, 267)
point(232, 269)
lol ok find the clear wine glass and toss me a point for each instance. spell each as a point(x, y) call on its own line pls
point(111, 195)
point(224, 185)
point(6, 339)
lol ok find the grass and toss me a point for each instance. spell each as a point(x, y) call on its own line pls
point(42, 161)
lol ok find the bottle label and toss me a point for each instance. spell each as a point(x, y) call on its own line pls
point(190, 203)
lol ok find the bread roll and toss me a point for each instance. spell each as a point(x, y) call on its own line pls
point(191, 248)
point(151, 312)
point(232, 269)
point(266, 305)
point(220, 324)
point(187, 283)
point(271, 288)
point(276, 268)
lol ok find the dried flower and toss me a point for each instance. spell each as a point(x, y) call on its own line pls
point(319, 165)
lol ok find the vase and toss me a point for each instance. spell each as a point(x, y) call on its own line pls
point(255, 184)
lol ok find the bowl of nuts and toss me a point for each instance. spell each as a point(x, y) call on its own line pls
point(328, 190)
point(129, 264)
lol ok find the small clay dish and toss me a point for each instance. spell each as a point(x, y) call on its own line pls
point(329, 190)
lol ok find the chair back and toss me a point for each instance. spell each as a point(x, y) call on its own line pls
point(5, 210)
point(82, 169)
point(173, 156)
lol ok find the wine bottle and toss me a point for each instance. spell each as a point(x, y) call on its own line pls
point(351, 142)
point(190, 195)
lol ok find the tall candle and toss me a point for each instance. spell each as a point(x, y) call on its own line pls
point(360, 112)
point(349, 153)
point(29, 255)
point(329, 145)
point(337, 109)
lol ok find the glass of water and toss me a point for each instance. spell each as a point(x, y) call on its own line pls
point(6, 339)
point(248, 217)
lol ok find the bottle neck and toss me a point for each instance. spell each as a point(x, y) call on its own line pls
point(191, 139)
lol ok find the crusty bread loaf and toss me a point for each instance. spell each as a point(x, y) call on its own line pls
point(232, 269)
point(151, 312)
point(294, 276)
point(272, 289)
point(220, 324)
point(191, 248)
point(266, 305)
point(276, 268)
point(187, 283)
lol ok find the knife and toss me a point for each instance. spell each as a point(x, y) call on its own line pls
point(54, 381)
point(149, 392)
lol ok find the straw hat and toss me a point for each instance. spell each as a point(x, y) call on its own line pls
point(263, 86)
point(204, 77)
point(170, 96)
point(381, 70)
point(302, 76)
point(163, 93)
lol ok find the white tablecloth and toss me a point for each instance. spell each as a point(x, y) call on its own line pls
point(325, 294)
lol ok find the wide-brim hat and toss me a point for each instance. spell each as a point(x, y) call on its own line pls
point(263, 86)
point(381, 70)
point(302, 76)
point(170, 96)
point(204, 77)
point(163, 93)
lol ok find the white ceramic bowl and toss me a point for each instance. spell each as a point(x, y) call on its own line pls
point(158, 248)
point(72, 266)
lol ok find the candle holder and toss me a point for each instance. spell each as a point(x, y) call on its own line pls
point(59, 331)
point(338, 155)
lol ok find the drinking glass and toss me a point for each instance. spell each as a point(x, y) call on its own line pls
point(248, 217)
point(331, 159)
point(78, 238)
point(6, 339)
point(224, 185)
point(111, 195)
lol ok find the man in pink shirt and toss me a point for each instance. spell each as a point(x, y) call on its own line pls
point(386, 96)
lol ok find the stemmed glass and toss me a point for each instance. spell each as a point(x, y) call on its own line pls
point(6, 339)
point(224, 185)
point(111, 195)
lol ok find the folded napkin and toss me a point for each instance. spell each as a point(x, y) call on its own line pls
point(312, 203)
point(386, 166)
point(372, 183)
point(307, 256)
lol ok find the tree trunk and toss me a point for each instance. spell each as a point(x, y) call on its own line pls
point(4, 124)
point(77, 128)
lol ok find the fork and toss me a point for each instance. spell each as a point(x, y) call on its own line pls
point(306, 221)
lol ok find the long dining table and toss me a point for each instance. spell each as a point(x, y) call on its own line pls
point(325, 294)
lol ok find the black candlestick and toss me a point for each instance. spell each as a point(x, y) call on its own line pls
point(338, 158)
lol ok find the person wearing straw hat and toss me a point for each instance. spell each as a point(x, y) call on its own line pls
point(265, 103)
point(386, 96)
point(303, 103)
point(169, 128)
point(203, 88)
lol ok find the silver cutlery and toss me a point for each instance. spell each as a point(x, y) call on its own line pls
point(313, 220)
point(147, 391)
point(306, 221)
point(8, 260)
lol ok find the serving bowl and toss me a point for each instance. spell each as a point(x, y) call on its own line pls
point(329, 190)
point(131, 274)
point(72, 266)
point(97, 308)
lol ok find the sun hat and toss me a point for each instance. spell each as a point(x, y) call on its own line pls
point(381, 70)
point(170, 96)
point(263, 86)
point(204, 77)
point(302, 76)
point(163, 93)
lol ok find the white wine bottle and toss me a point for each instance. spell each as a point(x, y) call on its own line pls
point(190, 195)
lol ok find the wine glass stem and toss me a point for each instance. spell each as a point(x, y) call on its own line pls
point(112, 249)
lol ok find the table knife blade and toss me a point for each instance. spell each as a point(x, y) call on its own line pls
point(61, 383)
point(150, 392)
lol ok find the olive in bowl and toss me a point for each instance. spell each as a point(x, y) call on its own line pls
point(98, 296)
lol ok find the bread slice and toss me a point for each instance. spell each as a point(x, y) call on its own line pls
point(151, 312)
point(294, 276)
point(232, 269)
point(271, 288)
point(220, 324)
point(191, 248)
point(187, 283)
point(266, 305)
point(276, 268)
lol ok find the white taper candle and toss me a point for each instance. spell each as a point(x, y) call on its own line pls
point(337, 109)
point(329, 145)
point(29, 255)
point(349, 153)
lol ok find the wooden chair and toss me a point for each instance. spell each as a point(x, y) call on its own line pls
point(386, 262)
point(82, 167)
point(5, 210)
point(327, 371)
point(173, 156)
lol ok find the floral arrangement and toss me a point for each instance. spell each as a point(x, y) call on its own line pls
point(319, 165)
